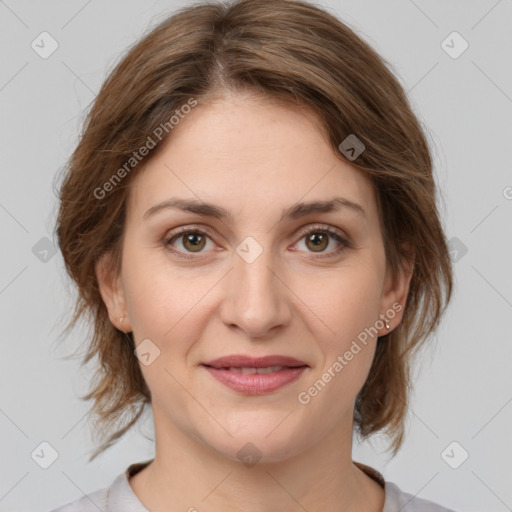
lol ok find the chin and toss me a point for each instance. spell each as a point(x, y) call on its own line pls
point(263, 442)
point(256, 452)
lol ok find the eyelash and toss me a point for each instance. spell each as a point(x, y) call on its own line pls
point(344, 244)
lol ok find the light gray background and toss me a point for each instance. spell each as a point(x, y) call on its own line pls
point(463, 388)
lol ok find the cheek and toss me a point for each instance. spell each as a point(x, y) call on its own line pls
point(348, 307)
point(346, 301)
point(165, 303)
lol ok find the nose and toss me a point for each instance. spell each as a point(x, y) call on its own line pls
point(256, 298)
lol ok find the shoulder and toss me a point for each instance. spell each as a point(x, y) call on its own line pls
point(398, 500)
point(89, 503)
point(118, 497)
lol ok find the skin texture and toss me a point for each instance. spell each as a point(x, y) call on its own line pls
point(253, 158)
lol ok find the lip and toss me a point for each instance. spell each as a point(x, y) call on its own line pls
point(227, 371)
point(243, 361)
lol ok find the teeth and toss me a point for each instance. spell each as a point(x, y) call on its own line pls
point(247, 371)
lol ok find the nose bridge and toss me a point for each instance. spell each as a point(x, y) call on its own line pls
point(256, 300)
point(252, 266)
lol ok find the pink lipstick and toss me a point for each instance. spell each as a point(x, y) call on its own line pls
point(255, 375)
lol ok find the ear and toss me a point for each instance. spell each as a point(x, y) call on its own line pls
point(112, 292)
point(396, 290)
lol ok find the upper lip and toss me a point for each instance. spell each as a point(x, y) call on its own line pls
point(243, 361)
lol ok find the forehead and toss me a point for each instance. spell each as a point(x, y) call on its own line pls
point(246, 154)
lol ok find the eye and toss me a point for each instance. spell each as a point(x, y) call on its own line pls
point(317, 239)
point(193, 240)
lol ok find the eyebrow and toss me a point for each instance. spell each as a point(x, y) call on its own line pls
point(294, 212)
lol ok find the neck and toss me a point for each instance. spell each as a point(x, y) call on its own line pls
point(188, 475)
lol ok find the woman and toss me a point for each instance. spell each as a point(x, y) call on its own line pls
point(250, 220)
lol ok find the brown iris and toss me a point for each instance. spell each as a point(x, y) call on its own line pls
point(319, 240)
point(194, 242)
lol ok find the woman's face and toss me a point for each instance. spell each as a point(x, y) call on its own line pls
point(253, 282)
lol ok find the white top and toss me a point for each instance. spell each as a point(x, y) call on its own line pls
point(119, 497)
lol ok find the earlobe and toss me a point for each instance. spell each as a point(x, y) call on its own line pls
point(396, 292)
point(112, 292)
point(404, 276)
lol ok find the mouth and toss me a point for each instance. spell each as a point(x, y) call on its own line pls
point(245, 361)
point(255, 376)
point(252, 371)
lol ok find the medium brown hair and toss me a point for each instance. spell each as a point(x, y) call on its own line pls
point(288, 51)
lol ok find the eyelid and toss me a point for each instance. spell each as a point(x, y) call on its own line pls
point(319, 227)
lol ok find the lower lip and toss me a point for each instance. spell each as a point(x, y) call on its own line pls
point(256, 383)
